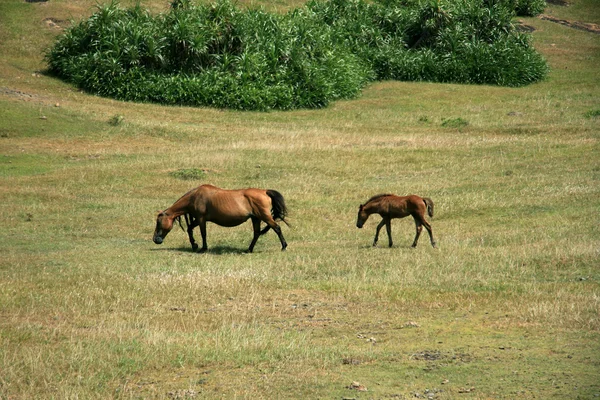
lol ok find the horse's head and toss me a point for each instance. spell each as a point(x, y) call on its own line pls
point(164, 224)
point(362, 216)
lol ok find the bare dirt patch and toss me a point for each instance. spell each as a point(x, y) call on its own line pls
point(54, 22)
point(16, 93)
point(582, 26)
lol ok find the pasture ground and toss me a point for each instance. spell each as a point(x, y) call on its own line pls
point(507, 307)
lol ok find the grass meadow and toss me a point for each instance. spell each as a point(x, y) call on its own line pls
point(507, 307)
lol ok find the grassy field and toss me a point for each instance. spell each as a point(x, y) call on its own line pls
point(507, 307)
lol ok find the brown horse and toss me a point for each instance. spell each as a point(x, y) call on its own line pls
point(228, 208)
point(391, 206)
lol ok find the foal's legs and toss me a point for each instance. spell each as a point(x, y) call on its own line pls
point(420, 221)
point(419, 227)
point(429, 230)
point(388, 227)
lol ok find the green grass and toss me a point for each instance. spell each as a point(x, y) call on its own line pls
point(507, 307)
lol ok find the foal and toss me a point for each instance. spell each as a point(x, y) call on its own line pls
point(391, 206)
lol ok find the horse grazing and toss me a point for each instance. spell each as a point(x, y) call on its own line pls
point(208, 203)
point(391, 206)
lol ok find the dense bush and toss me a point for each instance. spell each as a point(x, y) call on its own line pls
point(528, 8)
point(219, 55)
point(464, 41)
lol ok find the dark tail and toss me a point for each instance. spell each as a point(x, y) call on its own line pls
point(429, 204)
point(278, 210)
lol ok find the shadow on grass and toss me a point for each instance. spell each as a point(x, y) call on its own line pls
point(219, 250)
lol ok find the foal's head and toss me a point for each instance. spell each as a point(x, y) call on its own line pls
point(164, 224)
point(362, 216)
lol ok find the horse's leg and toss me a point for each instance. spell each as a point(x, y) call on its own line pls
point(277, 230)
point(419, 226)
point(257, 233)
point(381, 224)
point(202, 223)
point(430, 231)
point(271, 224)
point(191, 223)
point(388, 228)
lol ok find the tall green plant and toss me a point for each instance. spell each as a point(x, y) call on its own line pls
point(219, 55)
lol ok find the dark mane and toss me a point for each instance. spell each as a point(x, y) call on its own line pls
point(377, 197)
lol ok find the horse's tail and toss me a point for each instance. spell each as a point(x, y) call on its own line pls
point(429, 204)
point(278, 208)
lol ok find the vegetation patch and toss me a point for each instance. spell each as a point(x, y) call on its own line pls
point(593, 113)
point(189, 174)
point(456, 123)
point(116, 120)
point(219, 55)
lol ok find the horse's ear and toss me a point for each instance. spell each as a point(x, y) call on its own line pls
point(361, 207)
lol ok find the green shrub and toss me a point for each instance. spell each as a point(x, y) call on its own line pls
point(218, 55)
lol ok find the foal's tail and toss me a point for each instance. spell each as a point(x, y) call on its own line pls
point(429, 204)
point(278, 210)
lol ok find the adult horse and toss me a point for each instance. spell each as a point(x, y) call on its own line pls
point(208, 203)
point(390, 206)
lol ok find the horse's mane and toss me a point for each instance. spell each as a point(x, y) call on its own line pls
point(377, 197)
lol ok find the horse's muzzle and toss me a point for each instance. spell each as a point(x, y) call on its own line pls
point(157, 240)
point(359, 225)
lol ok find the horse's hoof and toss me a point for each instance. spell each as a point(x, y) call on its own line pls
point(202, 250)
point(194, 247)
